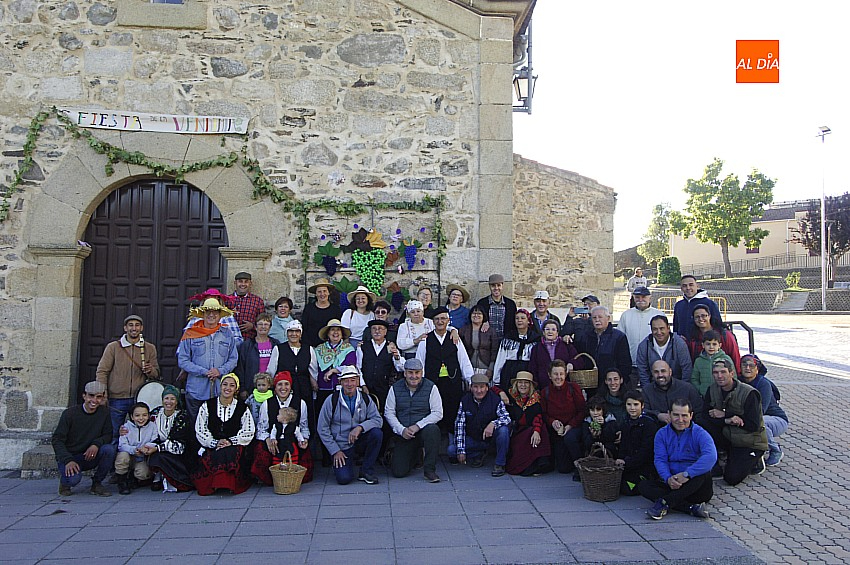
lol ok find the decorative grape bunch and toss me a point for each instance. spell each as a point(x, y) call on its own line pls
point(370, 268)
point(326, 257)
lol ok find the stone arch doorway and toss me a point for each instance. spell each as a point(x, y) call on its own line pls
point(154, 243)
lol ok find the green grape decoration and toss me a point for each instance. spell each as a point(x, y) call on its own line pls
point(369, 266)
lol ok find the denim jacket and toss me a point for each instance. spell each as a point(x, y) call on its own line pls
point(199, 355)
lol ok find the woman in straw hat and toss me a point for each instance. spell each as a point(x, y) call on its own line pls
point(331, 354)
point(317, 314)
point(224, 429)
point(360, 314)
point(530, 448)
point(458, 313)
point(207, 350)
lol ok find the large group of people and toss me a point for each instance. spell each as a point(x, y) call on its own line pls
point(356, 389)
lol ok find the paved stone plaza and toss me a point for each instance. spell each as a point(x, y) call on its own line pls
point(794, 513)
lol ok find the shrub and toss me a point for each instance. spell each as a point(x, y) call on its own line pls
point(669, 271)
point(792, 280)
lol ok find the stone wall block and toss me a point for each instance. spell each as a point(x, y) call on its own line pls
point(496, 122)
point(496, 84)
point(144, 97)
point(372, 49)
point(497, 51)
point(16, 315)
point(164, 147)
point(496, 157)
point(100, 15)
point(252, 90)
point(54, 382)
point(248, 227)
point(308, 92)
point(319, 154)
point(23, 11)
point(231, 190)
point(439, 126)
point(56, 313)
point(227, 68)
point(222, 108)
point(497, 28)
point(494, 261)
point(436, 82)
point(158, 40)
point(107, 61)
point(60, 219)
point(61, 89)
point(367, 125)
point(68, 11)
point(374, 102)
point(496, 231)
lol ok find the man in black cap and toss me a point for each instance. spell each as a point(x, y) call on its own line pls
point(501, 309)
point(123, 369)
point(482, 420)
point(379, 360)
point(247, 306)
point(83, 440)
point(578, 322)
point(446, 364)
point(414, 408)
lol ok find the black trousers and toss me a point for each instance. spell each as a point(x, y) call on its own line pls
point(698, 489)
point(739, 460)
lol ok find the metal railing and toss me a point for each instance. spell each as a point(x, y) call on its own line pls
point(668, 303)
point(770, 263)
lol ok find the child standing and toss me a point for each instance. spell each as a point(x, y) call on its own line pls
point(711, 352)
point(636, 444)
point(262, 392)
point(141, 432)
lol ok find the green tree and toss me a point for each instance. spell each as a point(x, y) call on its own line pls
point(807, 233)
point(721, 210)
point(655, 245)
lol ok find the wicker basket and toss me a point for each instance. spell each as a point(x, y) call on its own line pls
point(586, 378)
point(600, 477)
point(287, 476)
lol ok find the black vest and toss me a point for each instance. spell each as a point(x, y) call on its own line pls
point(437, 354)
point(298, 365)
point(221, 429)
point(377, 370)
point(278, 430)
point(478, 416)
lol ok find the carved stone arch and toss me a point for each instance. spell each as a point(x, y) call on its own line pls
point(59, 214)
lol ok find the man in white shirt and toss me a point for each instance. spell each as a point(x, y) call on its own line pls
point(634, 322)
point(414, 408)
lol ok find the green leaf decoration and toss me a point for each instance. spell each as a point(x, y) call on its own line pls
point(345, 285)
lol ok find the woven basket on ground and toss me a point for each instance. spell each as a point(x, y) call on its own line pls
point(600, 476)
point(287, 476)
point(585, 378)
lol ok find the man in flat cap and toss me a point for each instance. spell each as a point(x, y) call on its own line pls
point(501, 309)
point(247, 306)
point(413, 409)
point(123, 369)
point(482, 420)
point(83, 441)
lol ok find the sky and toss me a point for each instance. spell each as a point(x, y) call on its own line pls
point(641, 96)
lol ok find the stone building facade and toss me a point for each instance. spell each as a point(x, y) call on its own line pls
point(369, 100)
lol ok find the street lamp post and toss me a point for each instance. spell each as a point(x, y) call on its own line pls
point(824, 131)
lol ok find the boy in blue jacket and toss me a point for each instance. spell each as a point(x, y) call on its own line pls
point(684, 456)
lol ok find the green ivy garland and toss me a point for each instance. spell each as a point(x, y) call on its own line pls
point(263, 187)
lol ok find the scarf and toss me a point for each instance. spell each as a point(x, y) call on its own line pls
point(262, 396)
point(529, 401)
point(198, 330)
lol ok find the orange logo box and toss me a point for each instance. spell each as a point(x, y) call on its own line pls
point(756, 60)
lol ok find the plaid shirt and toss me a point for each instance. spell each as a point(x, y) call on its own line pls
point(497, 317)
point(247, 308)
point(502, 419)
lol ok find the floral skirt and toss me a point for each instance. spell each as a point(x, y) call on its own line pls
point(224, 468)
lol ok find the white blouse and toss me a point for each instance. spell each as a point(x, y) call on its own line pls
point(202, 429)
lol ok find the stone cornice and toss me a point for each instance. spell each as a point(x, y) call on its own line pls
point(245, 253)
point(518, 10)
point(73, 251)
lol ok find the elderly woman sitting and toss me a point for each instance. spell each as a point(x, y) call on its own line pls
point(224, 428)
point(173, 458)
point(530, 447)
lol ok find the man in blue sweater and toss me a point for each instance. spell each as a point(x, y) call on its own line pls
point(684, 456)
point(683, 311)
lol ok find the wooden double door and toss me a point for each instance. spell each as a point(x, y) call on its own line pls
point(154, 244)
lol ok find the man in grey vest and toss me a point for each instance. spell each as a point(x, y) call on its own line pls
point(413, 409)
point(733, 416)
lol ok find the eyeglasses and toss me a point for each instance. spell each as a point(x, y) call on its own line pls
point(748, 364)
point(381, 312)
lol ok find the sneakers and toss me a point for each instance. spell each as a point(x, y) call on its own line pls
point(476, 462)
point(498, 470)
point(758, 467)
point(98, 489)
point(698, 510)
point(368, 478)
point(65, 491)
point(774, 458)
point(432, 477)
point(166, 487)
point(658, 510)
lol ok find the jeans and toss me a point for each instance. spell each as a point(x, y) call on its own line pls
point(118, 408)
point(478, 447)
point(775, 427)
point(369, 443)
point(102, 462)
point(193, 406)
